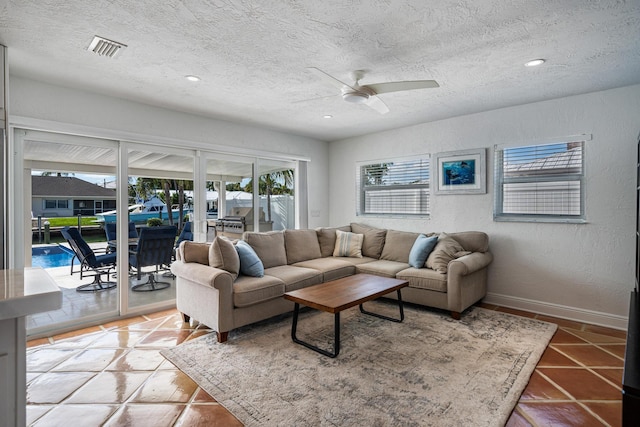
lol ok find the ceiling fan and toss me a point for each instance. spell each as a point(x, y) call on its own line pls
point(368, 94)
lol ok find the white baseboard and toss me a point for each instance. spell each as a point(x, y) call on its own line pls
point(556, 310)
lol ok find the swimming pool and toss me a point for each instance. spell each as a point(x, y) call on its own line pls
point(50, 256)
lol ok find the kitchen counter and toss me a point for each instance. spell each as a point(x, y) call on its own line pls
point(22, 292)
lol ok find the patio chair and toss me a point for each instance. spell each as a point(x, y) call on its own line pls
point(185, 234)
point(110, 231)
point(155, 248)
point(90, 263)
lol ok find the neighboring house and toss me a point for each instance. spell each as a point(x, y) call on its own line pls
point(59, 196)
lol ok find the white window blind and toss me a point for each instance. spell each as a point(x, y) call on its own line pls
point(540, 182)
point(394, 187)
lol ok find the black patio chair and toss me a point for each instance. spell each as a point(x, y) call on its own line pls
point(111, 232)
point(90, 263)
point(155, 248)
point(185, 234)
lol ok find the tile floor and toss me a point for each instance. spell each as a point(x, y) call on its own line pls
point(114, 375)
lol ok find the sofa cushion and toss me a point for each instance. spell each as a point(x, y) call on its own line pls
point(332, 268)
point(447, 249)
point(269, 247)
point(381, 267)
point(424, 278)
point(421, 249)
point(348, 244)
point(397, 245)
point(250, 264)
point(195, 252)
point(327, 238)
point(223, 255)
point(295, 277)
point(301, 245)
point(249, 290)
point(373, 240)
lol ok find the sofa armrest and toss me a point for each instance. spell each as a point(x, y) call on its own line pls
point(204, 275)
point(470, 263)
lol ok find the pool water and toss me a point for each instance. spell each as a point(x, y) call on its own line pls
point(51, 256)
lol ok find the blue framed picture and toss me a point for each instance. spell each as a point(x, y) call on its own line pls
point(461, 172)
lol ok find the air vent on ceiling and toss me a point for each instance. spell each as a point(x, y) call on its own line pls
point(105, 47)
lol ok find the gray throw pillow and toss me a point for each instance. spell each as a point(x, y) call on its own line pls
point(447, 249)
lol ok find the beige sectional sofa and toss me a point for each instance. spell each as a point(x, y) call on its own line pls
point(210, 289)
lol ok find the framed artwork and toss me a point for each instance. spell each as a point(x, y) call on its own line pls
point(461, 172)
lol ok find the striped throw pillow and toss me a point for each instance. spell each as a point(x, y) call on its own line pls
point(348, 244)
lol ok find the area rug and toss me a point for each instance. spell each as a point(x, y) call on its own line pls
point(429, 370)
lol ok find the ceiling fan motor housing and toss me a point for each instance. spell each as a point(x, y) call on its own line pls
point(355, 97)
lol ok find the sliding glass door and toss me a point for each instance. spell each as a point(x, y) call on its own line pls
point(118, 195)
point(159, 182)
point(67, 181)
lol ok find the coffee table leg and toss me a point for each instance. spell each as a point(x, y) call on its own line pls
point(336, 331)
point(400, 305)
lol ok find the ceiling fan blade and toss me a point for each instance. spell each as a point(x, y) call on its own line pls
point(377, 104)
point(316, 99)
point(329, 78)
point(400, 86)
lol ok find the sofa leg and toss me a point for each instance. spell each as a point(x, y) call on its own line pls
point(185, 318)
point(222, 336)
point(455, 315)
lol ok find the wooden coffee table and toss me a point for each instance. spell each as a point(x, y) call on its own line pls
point(340, 294)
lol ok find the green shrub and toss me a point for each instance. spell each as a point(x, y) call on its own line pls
point(154, 222)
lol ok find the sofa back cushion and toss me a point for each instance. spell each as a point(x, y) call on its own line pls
point(301, 245)
point(268, 246)
point(194, 252)
point(327, 238)
point(474, 241)
point(373, 239)
point(223, 255)
point(397, 245)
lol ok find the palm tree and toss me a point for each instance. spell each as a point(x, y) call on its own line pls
point(278, 182)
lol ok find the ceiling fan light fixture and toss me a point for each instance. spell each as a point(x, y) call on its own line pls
point(355, 97)
point(534, 62)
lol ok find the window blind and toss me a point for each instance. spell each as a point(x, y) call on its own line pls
point(394, 187)
point(540, 181)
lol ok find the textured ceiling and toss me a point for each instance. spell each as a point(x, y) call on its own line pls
point(253, 56)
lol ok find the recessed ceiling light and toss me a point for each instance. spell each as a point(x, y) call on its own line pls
point(534, 62)
point(192, 78)
point(327, 116)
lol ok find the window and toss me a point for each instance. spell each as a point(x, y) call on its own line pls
point(540, 183)
point(394, 187)
point(56, 204)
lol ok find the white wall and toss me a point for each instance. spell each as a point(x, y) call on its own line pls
point(38, 100)
point(579, 271)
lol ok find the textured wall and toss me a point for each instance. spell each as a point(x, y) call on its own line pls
point(576, 270)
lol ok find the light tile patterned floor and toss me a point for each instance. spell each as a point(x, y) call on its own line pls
point(114, 375)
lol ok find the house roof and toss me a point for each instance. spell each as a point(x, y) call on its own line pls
point(254, 58)
point(68, 186)
point(562, 162)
